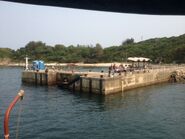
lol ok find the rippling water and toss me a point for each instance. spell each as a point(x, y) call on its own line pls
point(155, 112)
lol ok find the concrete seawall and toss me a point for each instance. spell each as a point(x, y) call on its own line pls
point(39, 78)
point(122, 83)
point(98, 83)
point(131, 81)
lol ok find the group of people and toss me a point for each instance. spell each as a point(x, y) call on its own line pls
point(118, 69)
point(125, 68)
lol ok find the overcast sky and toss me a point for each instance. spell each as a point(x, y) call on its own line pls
point(21, 23)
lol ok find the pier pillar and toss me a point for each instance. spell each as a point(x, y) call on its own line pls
point(80, 84)
point(90, 85)
point(101, 85)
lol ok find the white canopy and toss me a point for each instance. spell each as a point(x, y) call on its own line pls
point(135, 59)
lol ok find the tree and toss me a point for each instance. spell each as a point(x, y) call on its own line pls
point(98, 51)
point(128, 41)
point(179, 55)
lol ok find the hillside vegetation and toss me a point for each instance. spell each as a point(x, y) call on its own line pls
point(166, 50)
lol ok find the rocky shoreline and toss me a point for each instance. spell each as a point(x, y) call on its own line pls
point(178, 76)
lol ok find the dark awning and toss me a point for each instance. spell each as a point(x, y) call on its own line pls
point(156, 7)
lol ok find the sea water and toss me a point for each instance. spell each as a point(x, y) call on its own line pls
point(153, 112)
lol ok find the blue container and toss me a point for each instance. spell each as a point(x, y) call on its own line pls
point(35, 65)
point(38, 65)
point(41, 65)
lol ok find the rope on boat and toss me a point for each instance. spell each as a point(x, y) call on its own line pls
point(18, 120)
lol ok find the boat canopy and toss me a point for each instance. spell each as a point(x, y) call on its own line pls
point(137, 59)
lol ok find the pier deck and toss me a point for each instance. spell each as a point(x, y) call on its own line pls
point(98, 82)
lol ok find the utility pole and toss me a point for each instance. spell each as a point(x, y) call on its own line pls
point(141, 38)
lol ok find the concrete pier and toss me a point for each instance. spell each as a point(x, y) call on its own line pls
point(39, 77)
point(96, 82)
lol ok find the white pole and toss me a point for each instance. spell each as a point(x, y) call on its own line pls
point(26, 63)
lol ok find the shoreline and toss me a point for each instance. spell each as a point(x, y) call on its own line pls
point(89, 64)
point(65, 64)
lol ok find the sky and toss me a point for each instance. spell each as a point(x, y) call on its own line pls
point(21, 23)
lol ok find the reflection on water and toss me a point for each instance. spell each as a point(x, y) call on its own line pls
point(50, 112)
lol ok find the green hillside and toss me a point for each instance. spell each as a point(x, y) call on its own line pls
point(166, 50)
point(5, 53)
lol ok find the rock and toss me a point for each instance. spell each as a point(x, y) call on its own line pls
point(178, 76)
